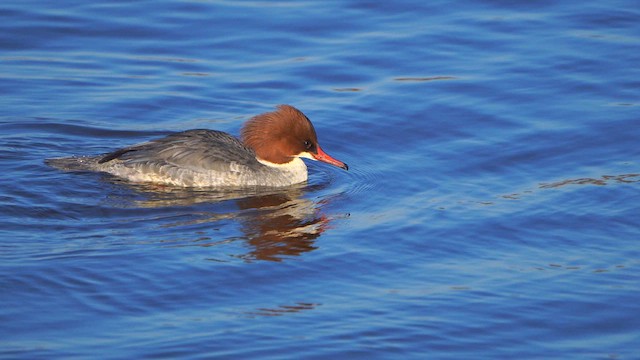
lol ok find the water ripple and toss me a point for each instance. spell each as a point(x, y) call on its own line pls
point(490, 200)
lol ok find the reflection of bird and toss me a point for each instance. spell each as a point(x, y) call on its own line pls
point(269, 155)
point(275, 222)
point(288, 227)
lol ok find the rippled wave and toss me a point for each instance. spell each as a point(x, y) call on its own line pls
point(489, 210)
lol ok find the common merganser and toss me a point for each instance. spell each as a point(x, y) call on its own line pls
point(268, 154)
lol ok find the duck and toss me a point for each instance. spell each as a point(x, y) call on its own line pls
point(268, 153)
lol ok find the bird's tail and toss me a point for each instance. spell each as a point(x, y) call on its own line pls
point(74, 163)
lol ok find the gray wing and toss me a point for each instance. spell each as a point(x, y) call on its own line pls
point(198, 150)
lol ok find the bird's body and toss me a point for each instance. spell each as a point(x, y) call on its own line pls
point(269, 155)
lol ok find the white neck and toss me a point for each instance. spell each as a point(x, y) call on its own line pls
point(295, 169)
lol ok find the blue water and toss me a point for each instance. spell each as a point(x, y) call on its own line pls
point(491, 209)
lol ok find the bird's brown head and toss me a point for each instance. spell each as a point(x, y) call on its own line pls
point(280, 136)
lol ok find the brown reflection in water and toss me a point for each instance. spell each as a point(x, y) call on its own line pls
point(601, 181)
point(276, 223)
point(283, 309)
point(604, 180)
point(347, 89)
point(582, 268)
point(286, 225)
point(429, 78)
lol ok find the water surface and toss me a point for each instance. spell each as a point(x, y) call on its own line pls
point(490, 211)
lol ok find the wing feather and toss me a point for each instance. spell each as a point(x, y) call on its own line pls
point(197, 150)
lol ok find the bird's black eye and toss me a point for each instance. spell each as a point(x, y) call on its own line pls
point(307, 144)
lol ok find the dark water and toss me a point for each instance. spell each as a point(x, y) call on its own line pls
point(491, 210)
